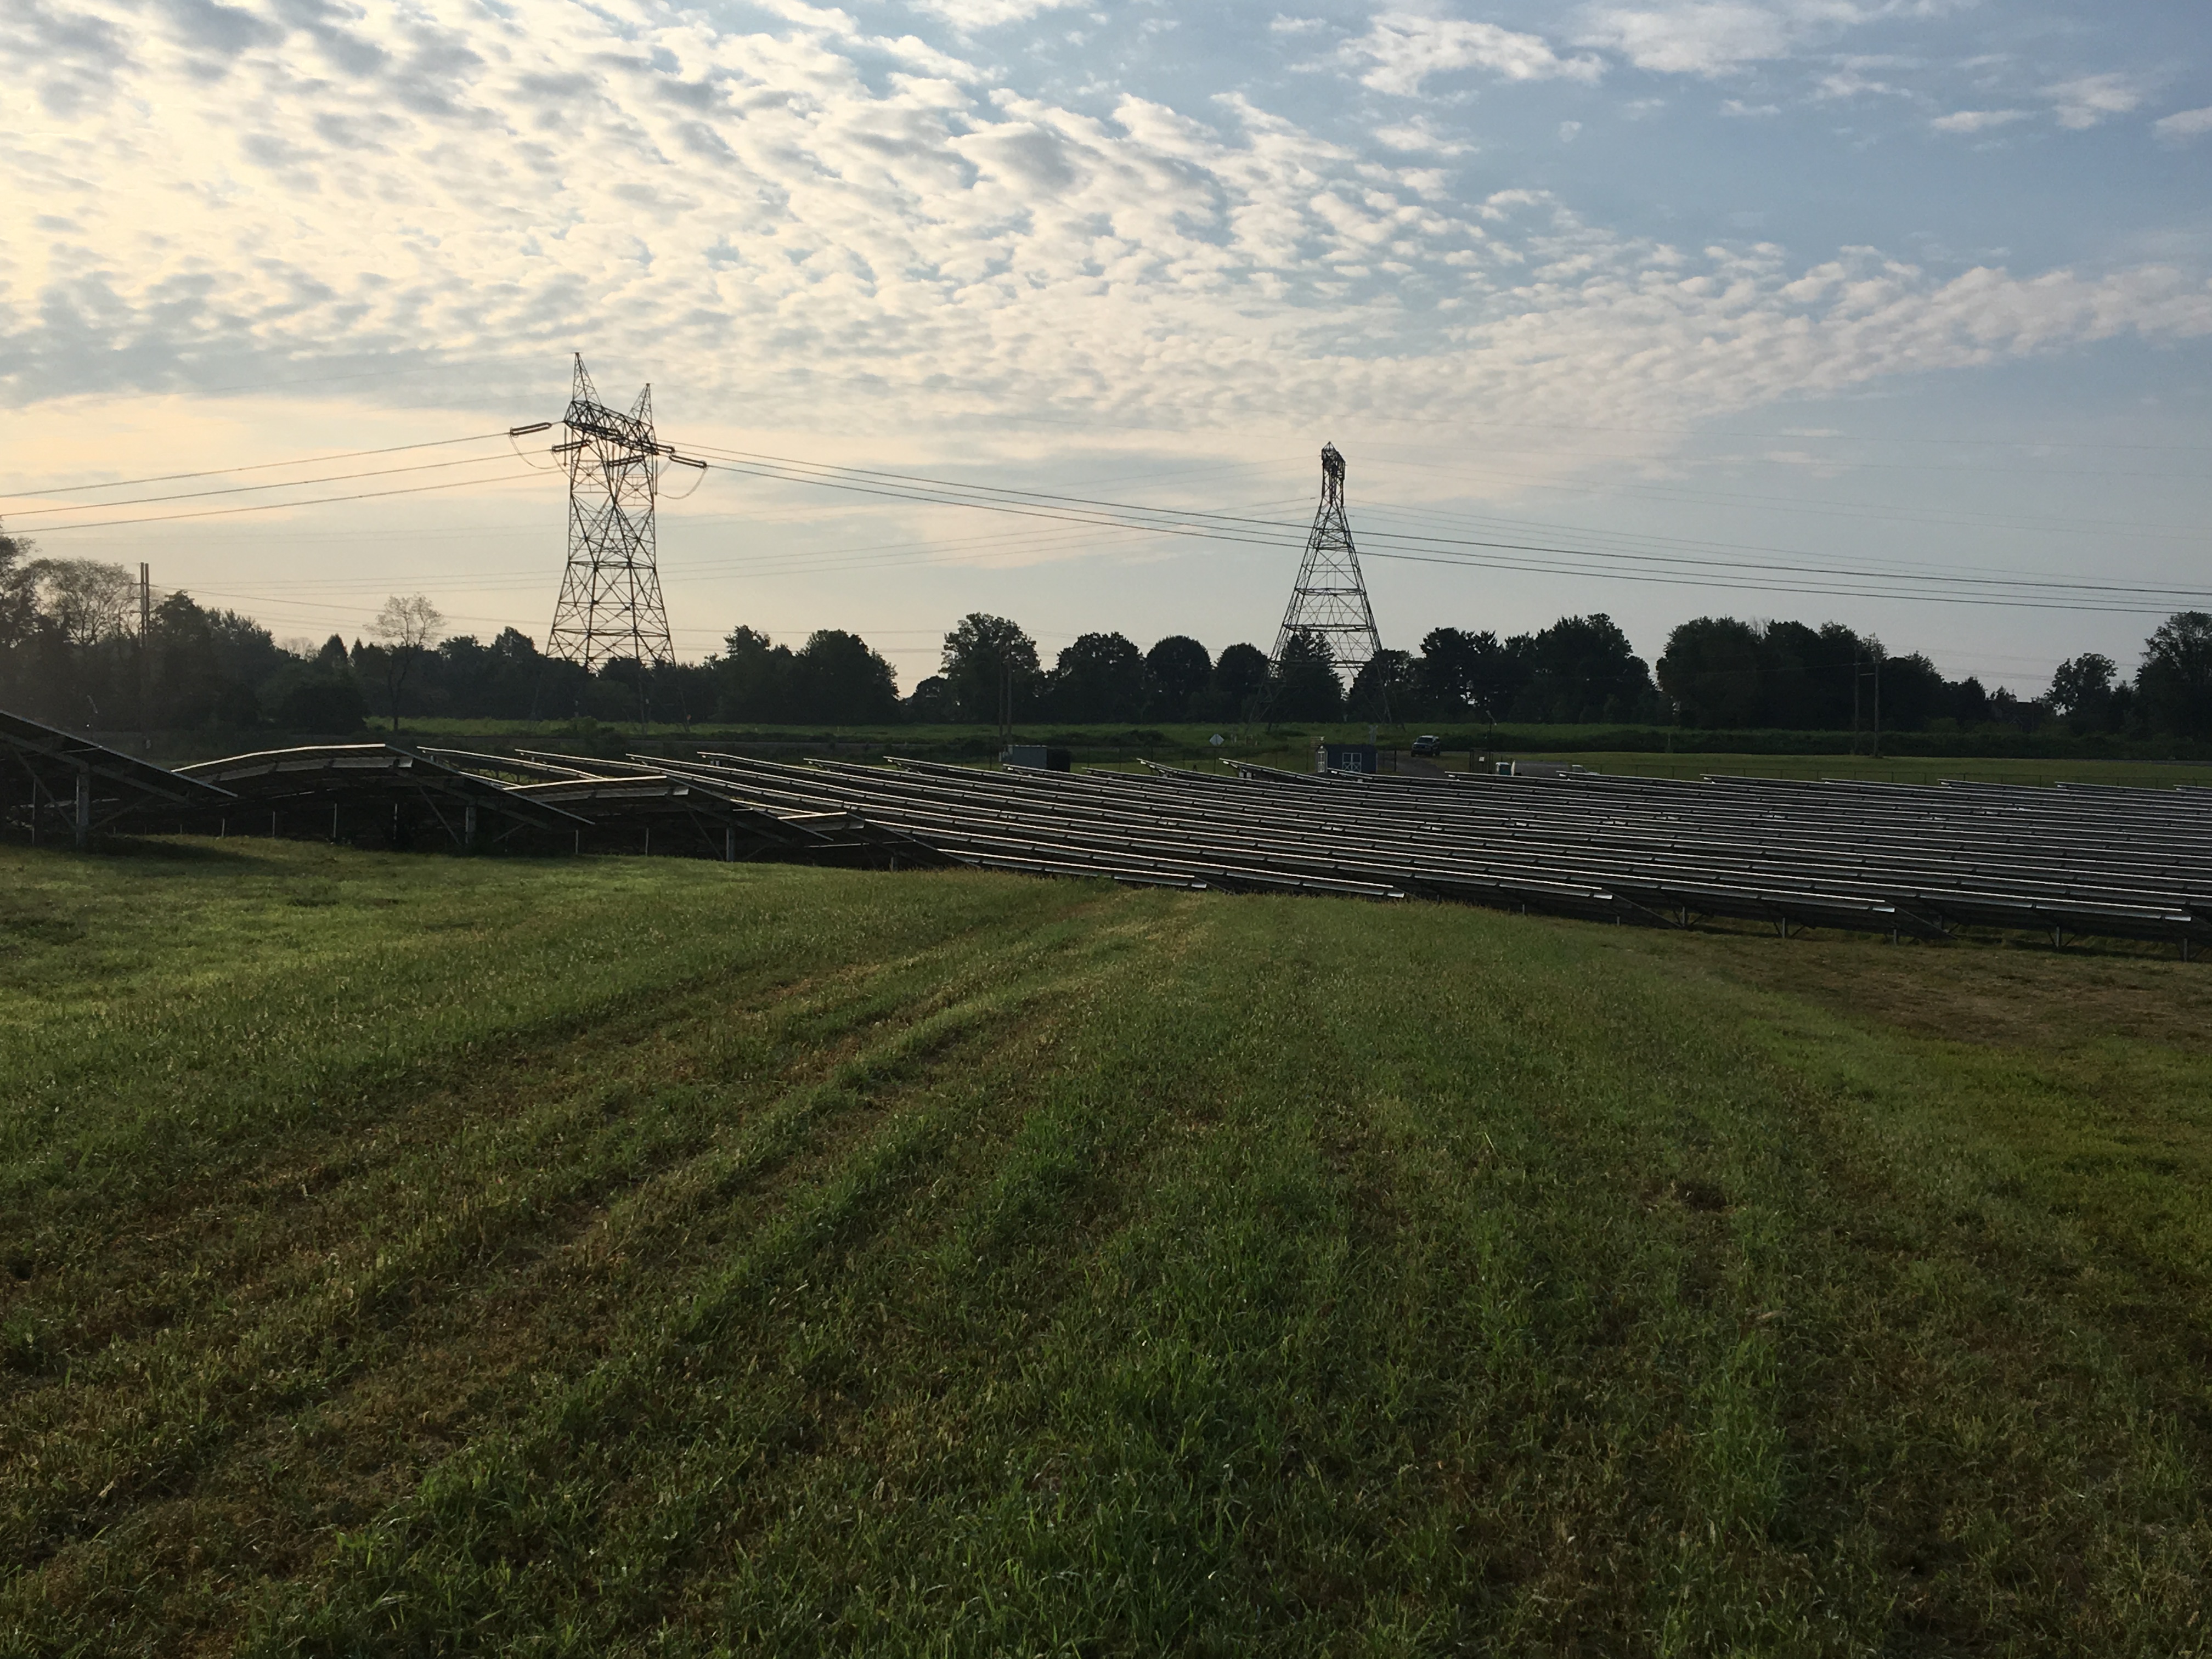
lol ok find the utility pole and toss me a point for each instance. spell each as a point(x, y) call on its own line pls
point(610, 606)
point(1865, 667)
point(145, 639)
point(1877, 704)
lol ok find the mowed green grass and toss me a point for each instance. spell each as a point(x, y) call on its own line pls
point(428, 1255)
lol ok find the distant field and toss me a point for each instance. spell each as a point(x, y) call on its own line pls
point(414, 1255)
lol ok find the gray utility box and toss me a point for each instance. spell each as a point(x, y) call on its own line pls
point(1036, 757)
point(1345, 757)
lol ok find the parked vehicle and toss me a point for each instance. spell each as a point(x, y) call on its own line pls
point(1428, 745)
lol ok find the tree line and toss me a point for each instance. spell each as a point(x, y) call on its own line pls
point(1722, 674)
point(70, 653)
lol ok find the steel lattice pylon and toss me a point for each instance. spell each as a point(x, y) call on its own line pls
point(1328, 603)
point(609, 605)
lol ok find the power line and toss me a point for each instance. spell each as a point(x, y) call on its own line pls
point(1227, 527)
point(257, 466)
point(1537, 557)
point(1795, 437)
point(1952, 519)
point(273, 506)
point(283, 484)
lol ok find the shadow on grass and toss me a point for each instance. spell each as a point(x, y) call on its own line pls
point(165, 849)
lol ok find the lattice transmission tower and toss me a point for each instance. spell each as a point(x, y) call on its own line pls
point(1328, 601)
point(609, 605)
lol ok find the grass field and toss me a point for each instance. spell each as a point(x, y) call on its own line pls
point(414, 1255)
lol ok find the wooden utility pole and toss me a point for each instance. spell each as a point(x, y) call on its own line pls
point(145, 639)
point(1877, 705)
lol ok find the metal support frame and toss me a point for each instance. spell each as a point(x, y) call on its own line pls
point(1328, 601)
point(610, 606)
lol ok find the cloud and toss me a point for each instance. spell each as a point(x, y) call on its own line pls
point(71, 58)
point(1737, 107)
point(968, 16)
point(2085, 101)
point(1976, 120)
point(1419, 134)
point(1403, 49)
point(2185, 125)
point(865, 232)
point(1713, 38)
point(1850, 83)
point(1706, 37)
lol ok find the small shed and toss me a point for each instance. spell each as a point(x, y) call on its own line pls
point(1358, 758)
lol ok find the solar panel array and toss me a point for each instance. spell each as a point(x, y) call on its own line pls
point(1906, 860)
point(1898, 860)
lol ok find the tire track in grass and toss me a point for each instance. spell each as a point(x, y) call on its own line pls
point(2005, 1455)
point(230, 1235)
point(1971, 1451)
point(530, 1500)
point(1274, 1466)
point(354, 1302)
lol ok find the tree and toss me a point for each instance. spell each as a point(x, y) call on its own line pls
point(1460, 673)
point(1805, 676)
point(1304, 684)
point(1965, 703)
point(1099, 678)
point(405, 628)
point(1177, 670)
point(89, 601)
point(1443, 678)
point(206, 664)
point(323, 694)
point(323, 704)
point(930, 703)
point(756, 677)
point(1383, 689)
point(19, 598)
point(1240, 679)
point(1712, 669)
point(839, 681)
point(1583, 669)
point(985, 657)
point(2174, 685)
point(2026, 713)
point(2082, 691)
point(1911, 689)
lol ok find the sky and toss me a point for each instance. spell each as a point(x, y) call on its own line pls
point(1842, 310)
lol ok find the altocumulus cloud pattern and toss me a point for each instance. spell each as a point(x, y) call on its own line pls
point(885, 205)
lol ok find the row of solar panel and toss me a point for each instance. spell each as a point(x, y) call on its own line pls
point(1901, 859)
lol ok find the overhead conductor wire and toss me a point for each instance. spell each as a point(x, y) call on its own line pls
point(1671, 568)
